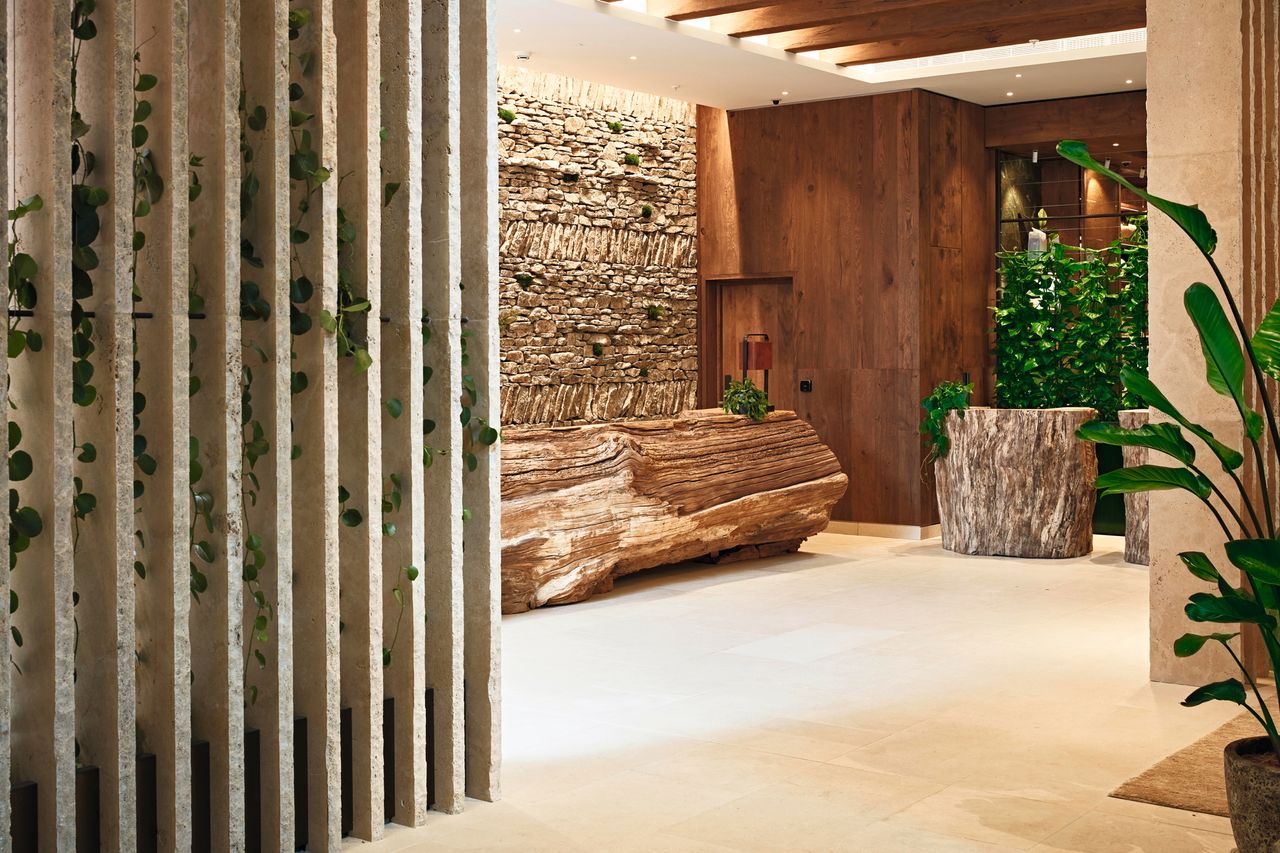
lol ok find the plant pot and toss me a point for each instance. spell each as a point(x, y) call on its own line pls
point(1017, 483)
point(1253, 792)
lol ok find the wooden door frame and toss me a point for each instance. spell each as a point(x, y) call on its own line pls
point(710, 356)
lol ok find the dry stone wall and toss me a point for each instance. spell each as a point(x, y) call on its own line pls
point(598, 249)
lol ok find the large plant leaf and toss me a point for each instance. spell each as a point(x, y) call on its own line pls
point(1189, 217)
point(1190, 644)
point(1139, 384)
point(1223, 358)
point(1258, 558)
point(1266, 342)
point(1199, 564)
point(1166, 438)
point(1153, 478)
point(1206, 607)
point(1230, 690)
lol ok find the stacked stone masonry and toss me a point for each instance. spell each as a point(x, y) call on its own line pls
point(598, 249)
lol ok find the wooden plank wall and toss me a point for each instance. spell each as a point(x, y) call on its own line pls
point(874, 208)
point(232, 532)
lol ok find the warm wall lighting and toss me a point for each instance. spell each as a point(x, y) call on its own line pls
point(1008, 94)
point(1115, 145)
point(1128, 82)
point(1017, 75)
point(786, 93)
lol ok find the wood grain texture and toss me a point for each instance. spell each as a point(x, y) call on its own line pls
point(585, 505)
point(1017, 483)
point(1137, 512)
point(930, 20)
point(1098, 117)
point(888, 255)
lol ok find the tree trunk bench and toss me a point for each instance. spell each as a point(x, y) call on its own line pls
point(584, 505)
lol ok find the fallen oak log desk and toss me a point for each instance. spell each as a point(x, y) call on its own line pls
point(584, 505)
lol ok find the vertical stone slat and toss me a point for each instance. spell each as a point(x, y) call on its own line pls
point(217, 519)
point(164, 596)
point(6, 698)
point(43, 726)
point(404, 617)
point(105, 695)
point(442, 310)
point(316, 641)
point(267, 404)
point(360, 390)
point(482, 567)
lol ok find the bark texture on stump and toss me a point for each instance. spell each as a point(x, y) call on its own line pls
point(584, 505)
point(1017, 483)
point(1137, 543)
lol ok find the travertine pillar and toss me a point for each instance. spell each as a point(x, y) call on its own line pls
point(1194, 140)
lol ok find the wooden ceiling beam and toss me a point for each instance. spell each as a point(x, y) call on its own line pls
point(921, 19)
point(681, 10)
point(799, 14)
point(985, 35)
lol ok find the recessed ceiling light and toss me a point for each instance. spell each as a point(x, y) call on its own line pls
point(786, 93)
point(1115, 145)
point(1129, 82)
point(1008, 94)
point(516, 30)
point(1017, 75)
point(633, 57)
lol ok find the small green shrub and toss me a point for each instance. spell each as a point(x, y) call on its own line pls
point(615, 126)
point(947, 397)
point(646, 211)
point(644, 371)
point(506, 115)
point(597, 350)
point(632, 159)
point(743, 397)
point(524, 280)
point(654, 312)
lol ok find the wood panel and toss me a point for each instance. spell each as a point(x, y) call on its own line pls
point(1106, 118)
point(750, 307)
point(938, 23)
point(888, 253)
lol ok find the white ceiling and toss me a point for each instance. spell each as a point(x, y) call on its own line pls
point(595, 41)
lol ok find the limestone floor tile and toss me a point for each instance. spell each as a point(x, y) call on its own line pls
point(819, 810)
point(812, 642)
point(995, 818)
point(1108, 833)
point(864, 695)
point(737, 769)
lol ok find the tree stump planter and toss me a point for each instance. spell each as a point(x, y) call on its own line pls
point(1137, 506)
point(1017, 483)
point(584, 505)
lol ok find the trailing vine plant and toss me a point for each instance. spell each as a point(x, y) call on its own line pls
point(253, 308)
point(86, 226)
point(25, 522)
point(148, 188)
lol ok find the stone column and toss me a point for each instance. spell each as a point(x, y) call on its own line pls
point(1194, 141)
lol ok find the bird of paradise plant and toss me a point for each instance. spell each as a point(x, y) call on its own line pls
point(1247, 519)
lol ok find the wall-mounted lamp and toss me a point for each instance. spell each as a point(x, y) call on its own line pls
point(1107, 165)
point(1035, 155)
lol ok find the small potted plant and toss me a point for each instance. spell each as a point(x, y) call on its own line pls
point(1248, 520)
point(744, 397)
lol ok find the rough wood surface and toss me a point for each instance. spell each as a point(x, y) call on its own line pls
point(584, 505)
point(1137, 542)
point(1017, 483)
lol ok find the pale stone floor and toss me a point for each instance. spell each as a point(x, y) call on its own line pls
point(863, 695)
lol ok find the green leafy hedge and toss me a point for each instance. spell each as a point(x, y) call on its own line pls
point(1066, 326)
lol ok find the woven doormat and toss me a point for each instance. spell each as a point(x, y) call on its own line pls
point(1192, 778)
